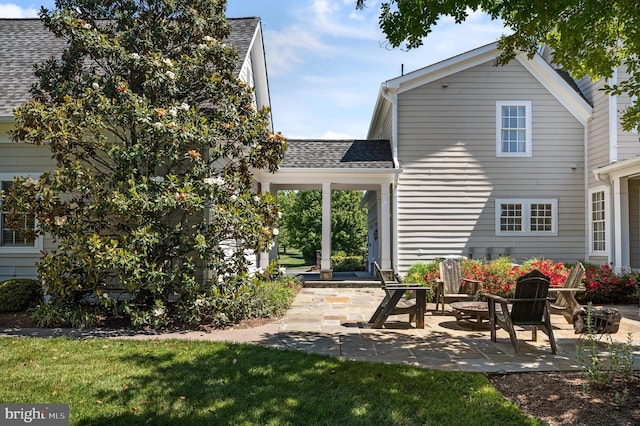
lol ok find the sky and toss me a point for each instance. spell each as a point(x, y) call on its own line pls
point(326, 60)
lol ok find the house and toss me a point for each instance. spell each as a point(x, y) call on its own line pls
point(484, 161)
point(26, 42)
point(515, 160)
point(461, 158)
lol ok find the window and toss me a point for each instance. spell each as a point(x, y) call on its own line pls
point(16, 241)
point(598, 221)
point(526, 217)
point(513, 128)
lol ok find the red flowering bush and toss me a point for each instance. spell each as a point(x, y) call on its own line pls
point(432, 274)
point(499, 276)
point(557, 272)
point(603, 285)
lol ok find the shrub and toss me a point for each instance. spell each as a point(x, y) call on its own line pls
point(557, 272)
point(18, 294)
point(51, 314)
point(223, 304)
point(60, 314)
point(273, 298)
point(499, 277)
point(343, 262)
point(420, 273)
point(602, 285)
point(267, 294)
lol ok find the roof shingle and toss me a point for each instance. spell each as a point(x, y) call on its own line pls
point(26, 42)
point(337, 154)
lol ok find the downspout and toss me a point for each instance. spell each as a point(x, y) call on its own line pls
point(391, 95)
point(587, 201)
point(613, 120)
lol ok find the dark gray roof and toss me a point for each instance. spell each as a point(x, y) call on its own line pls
point(567, 77)
point(242, 32)
point(24, 42)
point(338, 154)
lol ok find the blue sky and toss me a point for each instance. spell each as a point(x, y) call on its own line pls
point(326, 60)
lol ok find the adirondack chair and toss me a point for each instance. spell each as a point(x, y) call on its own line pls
point(529, 307)
point(452, 286)
point(565, 303)
point(403, 306)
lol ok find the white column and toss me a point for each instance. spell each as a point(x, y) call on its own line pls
point(384, 227)
point(621, 223)
point(325, 264)
point(264, 256)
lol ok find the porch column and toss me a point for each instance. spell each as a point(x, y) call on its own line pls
point(326, 273)
point(264, 256)
point(622, 258)
point(384, 226)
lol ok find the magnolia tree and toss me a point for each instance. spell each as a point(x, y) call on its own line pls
point(154, 138)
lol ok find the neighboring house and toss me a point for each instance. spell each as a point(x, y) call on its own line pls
point(515, 160)
point(26, 42)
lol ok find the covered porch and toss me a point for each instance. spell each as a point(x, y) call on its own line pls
point(622, 217)
point(330, 165)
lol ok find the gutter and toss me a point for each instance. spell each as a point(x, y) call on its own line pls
point(391, 95)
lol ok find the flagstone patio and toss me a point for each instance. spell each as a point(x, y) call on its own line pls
point(333, 321)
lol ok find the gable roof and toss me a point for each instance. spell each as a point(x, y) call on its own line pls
point(554, 82)
point(25, 42)
point(337, 154)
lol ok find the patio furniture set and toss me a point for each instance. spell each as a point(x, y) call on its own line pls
point(530, 307)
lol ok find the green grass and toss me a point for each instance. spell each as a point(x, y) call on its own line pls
point(293, 259)
point(126, 382)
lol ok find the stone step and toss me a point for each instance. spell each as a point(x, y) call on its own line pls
point(341, 284)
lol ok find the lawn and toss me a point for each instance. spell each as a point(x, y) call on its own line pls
point(292, 259)
point(169, 382)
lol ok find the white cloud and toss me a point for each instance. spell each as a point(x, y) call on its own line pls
point(327, 17)
point(291, 46)
point(330, 134)
point(317, 28)
point(9, 10)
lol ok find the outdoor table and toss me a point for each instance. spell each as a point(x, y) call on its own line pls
point(472, 314)
point(395, 294)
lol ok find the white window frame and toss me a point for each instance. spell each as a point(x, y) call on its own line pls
point(607, 231)
point(38, 242)
point(526, 216)
point(528, 132)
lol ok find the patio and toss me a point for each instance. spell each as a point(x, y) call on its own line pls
point(332, 321)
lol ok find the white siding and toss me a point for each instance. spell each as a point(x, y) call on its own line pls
point(382, 123)
point(628, 142)
point(598, 128)
point(19, 159)
point(451, 176)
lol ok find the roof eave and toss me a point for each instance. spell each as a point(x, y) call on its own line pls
point(623, 168)
point(557, 86)
point(444, 68)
